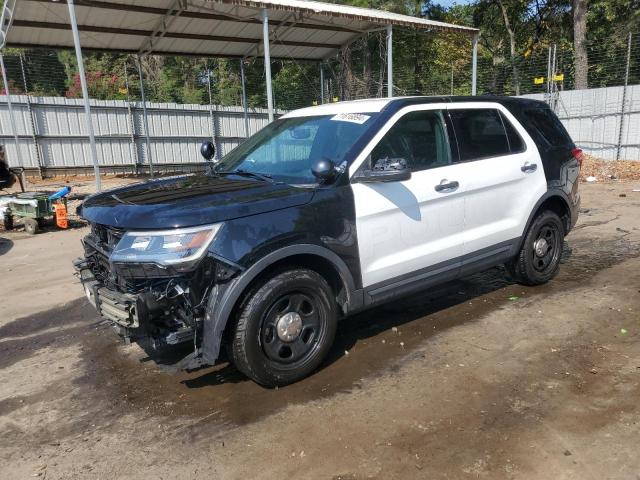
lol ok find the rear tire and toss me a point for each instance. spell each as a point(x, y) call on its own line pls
point(285, 328)
point(31, 226)
point(539, 258)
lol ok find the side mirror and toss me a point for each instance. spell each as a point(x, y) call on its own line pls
point(207, 150)
point(324, 170)
point(385, 170)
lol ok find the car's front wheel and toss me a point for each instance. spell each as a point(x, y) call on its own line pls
point(539, 258)
point(285, 328)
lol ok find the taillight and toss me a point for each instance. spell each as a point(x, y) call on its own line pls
point(577, 154)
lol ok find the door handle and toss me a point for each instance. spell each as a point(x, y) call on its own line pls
point(446, 186)
point(529, 167)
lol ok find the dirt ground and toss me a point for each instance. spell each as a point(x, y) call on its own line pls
point(478, 379)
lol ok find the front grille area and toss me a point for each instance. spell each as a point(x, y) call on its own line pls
point(108, 236)
point(124, 277)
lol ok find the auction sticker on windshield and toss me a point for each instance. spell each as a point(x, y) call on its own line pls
point(358, 118)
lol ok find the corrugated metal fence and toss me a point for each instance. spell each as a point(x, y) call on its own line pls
point(53, 135)
point(597, 120)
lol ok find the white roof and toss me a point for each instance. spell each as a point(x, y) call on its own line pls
point(300, 30)
point(353, 106)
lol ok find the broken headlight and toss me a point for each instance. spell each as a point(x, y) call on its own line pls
point(167, 247)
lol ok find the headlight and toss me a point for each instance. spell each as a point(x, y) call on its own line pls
point(167, 247)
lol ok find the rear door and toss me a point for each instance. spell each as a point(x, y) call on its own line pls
point(503, 176)
point(409, 231)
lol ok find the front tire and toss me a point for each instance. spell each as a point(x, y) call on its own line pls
point(539, 258)
point(285, 328)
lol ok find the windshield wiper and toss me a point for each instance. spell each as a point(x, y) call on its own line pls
point(265, 177)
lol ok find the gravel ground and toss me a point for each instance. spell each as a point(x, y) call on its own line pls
point(478, 379)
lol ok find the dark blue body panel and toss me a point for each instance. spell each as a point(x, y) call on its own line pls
point(190, 201)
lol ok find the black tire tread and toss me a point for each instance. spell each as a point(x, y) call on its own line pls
point(237, 350)
point(517, 268)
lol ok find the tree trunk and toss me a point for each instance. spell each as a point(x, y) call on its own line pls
point(512, 47)
point(417, 68)
point(346, 69)
point(366, 69)
point(581, 64)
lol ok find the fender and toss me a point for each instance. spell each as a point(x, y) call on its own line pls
point(552, 192)
point(225, 296)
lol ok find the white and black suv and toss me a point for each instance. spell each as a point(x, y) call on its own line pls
point(325, 212)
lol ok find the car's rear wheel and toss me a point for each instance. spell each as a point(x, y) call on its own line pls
point(539, 258)
point(285, 328)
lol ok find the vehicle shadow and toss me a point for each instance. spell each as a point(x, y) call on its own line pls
point(5, 245)
point(410, 320)
point(421, 309)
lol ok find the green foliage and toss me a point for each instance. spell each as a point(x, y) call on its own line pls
point(424, 62)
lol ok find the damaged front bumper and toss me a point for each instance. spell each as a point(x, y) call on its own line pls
point(135, 315)
point(147, 303)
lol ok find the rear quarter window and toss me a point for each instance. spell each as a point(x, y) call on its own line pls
point(544, 122)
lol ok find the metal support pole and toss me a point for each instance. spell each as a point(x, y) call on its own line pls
point(32, 121)
point(132, 126)
point(12, 120)
point(474, 64)
point(267, 62)
point(624, 97)
point(549, 73)
point(389, 61)
point(553, 101)
point(452, 78)
point(244, 99)
point(321, 85)
point(144, 115)
point(211, 115)
point(85, 93)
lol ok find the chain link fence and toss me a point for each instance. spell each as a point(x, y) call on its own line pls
point(425, 63)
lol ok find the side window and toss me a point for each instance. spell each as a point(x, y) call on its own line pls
point(516, 144)
point(480, 133)
point(548, 125)
point(419, 138)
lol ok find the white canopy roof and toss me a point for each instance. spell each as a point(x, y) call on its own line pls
point(300, 30)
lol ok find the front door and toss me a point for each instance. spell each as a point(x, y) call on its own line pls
point(413, 229)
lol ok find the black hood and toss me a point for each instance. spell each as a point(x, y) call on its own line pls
point(190, 201)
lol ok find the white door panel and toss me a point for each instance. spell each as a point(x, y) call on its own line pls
point(499, 196)
point(406, 226)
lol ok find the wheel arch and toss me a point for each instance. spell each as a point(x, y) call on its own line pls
point(555, 200)
point(229, 297)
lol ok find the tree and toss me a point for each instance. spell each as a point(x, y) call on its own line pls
point(512, 44)
point(581, 64)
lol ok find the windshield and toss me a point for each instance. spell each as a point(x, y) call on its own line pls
point(286, 149)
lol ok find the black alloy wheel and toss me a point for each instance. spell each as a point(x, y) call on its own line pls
point(289, 328)
point(285, 328)
point(538, 260)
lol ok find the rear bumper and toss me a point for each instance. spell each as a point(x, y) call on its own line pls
point(574, 212)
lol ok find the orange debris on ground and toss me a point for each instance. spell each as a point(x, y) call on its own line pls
point(605, 170)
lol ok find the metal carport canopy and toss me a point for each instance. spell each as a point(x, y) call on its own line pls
point(283, 29)
point(299, 30)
